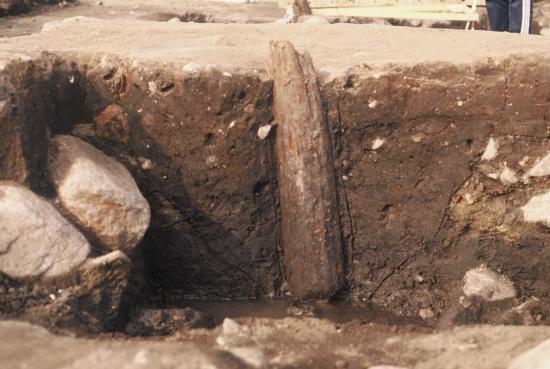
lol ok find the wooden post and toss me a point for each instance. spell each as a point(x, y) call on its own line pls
point(301, 7)
point(310, 224)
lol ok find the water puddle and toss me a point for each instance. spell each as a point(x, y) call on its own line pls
point(337, 311)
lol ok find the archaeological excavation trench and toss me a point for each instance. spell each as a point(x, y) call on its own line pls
point(430, 205)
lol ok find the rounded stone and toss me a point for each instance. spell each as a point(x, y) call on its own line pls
point(35, 240)
point(99, 192)
point(487, 284)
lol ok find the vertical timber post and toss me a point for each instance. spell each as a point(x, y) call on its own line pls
point(310, 224)
point(301, 7)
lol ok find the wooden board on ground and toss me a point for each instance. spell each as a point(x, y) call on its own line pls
point(442, 10)
point(405, 12)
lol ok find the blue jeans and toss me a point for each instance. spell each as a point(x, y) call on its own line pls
point(510, 15)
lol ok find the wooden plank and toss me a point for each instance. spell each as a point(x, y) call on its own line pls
point(396, 12)
point(310, 224)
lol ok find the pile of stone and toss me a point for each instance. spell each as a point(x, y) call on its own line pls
point(78, 246)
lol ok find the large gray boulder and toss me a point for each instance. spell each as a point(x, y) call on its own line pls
point(98, 192)
point(35, 240)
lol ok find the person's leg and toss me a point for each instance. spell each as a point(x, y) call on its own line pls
point(498, 15)
point(520, 16)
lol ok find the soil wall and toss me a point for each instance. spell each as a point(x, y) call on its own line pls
point(423, 208)
point(418, 205)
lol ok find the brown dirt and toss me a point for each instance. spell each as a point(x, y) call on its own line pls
point(260, 11)
point(161, 11)
point(243, 46)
